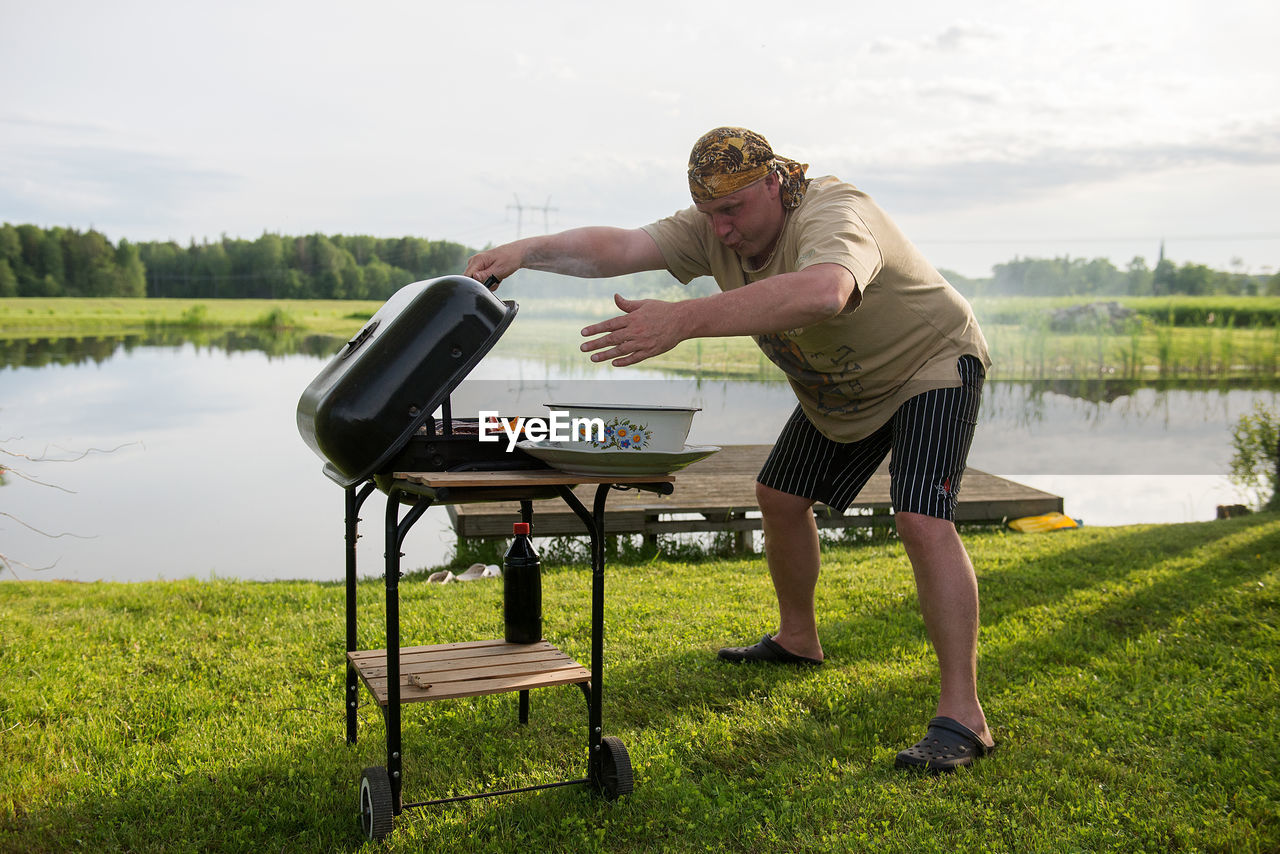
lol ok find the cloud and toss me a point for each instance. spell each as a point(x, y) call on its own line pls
point(1031, 168)
point(59, 183)
point(976, 91)
point(963, 36)
point(957, 38)
point(21, 123)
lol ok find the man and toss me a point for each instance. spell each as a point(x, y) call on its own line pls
point(882, 354)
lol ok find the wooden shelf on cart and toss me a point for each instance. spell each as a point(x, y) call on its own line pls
point(450, 670)
point(532, 477)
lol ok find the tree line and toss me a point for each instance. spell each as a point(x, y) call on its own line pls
point(1068, 276)
point(66, 262)
point(59, 261)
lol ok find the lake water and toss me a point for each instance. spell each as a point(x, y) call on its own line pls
point(178, 460)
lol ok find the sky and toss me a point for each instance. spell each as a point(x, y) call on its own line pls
point(989, 130)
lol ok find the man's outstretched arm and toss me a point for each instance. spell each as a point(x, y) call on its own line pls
point(595, 252)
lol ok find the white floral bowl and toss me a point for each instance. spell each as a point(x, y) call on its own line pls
point(617, 427)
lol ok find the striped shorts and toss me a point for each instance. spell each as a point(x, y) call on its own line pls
point(929, 437)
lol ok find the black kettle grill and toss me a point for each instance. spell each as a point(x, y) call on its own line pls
point(371, 415)
point(372, 410)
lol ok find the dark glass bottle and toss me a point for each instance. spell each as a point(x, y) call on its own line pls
point(522, 589)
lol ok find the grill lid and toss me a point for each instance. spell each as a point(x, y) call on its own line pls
point(373, 395)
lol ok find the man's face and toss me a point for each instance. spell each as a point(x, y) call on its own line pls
point(749, 221)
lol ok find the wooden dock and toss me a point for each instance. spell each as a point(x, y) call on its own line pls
point(718, 494)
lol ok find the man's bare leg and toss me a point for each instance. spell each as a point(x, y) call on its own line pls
point(791, 549)
point(948, 592)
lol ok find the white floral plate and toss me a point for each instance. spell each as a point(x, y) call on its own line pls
point(572, 460)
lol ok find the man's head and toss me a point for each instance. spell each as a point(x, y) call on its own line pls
point(737, 181)
point(727, 159)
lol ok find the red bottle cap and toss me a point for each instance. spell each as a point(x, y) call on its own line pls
point(521, 528)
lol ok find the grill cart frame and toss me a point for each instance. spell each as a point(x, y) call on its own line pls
point(370, 414)
point(394, 675)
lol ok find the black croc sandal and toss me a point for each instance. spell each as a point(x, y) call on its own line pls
point(768, 651)
point(948, 745)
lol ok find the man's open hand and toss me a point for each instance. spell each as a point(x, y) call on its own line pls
point(648, 327)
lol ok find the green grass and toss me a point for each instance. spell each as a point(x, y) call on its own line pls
point(1206, 340)
point(1197, 338)
point(28, 316)
point(1018, 353)
point(1131, 674)
point(1180, 310)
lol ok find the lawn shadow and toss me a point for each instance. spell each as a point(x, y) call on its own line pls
point(305, 799)
point(1132, 606)
point(690, 679)
point(876, 632)
point(288, 802)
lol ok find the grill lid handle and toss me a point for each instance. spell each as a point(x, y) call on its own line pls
point(360, 337)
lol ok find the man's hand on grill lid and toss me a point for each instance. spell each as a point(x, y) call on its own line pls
point(648, 328)
point(496, 263)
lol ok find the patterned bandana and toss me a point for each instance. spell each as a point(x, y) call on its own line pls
point(727, 159)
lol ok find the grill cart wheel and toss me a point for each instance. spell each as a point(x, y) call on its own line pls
point(613, 778)
point(376, 811)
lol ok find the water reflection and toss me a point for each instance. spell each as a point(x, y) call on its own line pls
point(1111, 390)
point(1024, 427)
point(38, 352)
point(212, 477)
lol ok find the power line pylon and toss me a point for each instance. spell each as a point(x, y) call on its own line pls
point(520, 209)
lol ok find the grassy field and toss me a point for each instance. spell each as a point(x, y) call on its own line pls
point(1199, 338)
point(1018, 352)
point(1130, 674)
point(34, 316)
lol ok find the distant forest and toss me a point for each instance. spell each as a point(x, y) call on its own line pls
point(1079, 277)
point(55, 262)
point(66, 262)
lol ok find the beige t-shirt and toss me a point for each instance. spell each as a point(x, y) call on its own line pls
point(850, 372)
